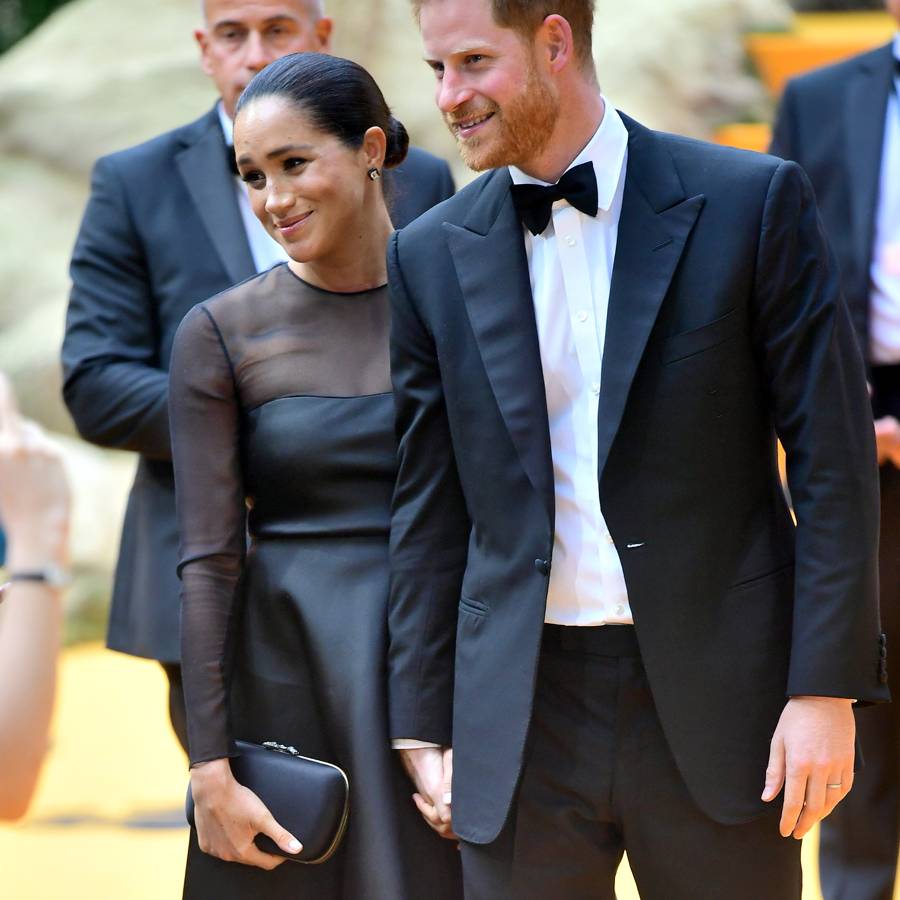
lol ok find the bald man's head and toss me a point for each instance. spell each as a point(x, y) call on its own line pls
point(241, 37)
point(313, 8)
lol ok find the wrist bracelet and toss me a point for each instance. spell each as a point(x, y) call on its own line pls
point(50, 575)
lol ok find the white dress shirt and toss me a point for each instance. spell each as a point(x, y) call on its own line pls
point(884, 269)
point(264, 249)
point(571, 265)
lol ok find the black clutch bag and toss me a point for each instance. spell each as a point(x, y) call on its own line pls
point(308, 797)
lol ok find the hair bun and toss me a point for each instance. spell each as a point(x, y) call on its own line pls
point(397, 143)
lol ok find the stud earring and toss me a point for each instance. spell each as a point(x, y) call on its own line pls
point(374, 174)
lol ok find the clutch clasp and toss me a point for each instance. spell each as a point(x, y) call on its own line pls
point(281, 748)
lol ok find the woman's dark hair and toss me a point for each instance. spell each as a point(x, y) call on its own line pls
point(338, 96)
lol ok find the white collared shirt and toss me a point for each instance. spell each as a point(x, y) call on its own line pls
point(264, 249)
point(571, 265)
point(884, 267)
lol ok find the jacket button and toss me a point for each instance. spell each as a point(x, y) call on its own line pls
point(543, 566)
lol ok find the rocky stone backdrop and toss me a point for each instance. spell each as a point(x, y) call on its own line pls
point(100, 75)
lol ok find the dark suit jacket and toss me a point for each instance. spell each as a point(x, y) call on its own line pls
point(831, 121)
point(161, 232)
point(725, 328)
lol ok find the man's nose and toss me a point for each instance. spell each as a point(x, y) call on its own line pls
point(452, 92)
point(256, 54)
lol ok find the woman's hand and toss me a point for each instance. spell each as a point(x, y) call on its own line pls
point(228, 817)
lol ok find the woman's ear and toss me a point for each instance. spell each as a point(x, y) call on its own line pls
point(374, 148)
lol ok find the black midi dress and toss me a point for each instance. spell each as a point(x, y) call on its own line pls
point(282, 431)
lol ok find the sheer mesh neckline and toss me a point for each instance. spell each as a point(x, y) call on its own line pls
point(322, 290)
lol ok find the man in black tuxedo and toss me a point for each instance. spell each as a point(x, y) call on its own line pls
point(599, 599)
point(168, 224)
point(842, 124)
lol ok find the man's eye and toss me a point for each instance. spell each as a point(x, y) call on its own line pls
point(438, 69)
point(231, 34)
point(474, 58)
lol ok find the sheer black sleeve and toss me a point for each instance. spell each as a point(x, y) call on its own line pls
point(205, 417)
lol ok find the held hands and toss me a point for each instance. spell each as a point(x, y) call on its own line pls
point(228, 817)
point(431, 771)
point(811, 754)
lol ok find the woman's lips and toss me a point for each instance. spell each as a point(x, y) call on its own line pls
point(289, 227)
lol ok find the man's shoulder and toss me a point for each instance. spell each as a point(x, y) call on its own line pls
point(422, 160)
point(453, 210)
point(703, 164)
point(159, 149)
point(826, 80)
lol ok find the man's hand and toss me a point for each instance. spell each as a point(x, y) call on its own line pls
point(431, 771)
point(887, 440)
point(812, 756)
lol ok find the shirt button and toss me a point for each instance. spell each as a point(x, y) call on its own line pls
point(620, 610)
point(583, 316)
point(595, 387)
point(570, 240)
point(543, 566)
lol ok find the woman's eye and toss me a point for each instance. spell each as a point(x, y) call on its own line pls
point(253, 179)
point(294, 163)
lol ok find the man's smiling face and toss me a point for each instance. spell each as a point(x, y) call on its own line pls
point(496, 102)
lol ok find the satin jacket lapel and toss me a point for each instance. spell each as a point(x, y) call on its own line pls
point(653, 229)
point(866, 100)
point(489, 255)
point(207, 177)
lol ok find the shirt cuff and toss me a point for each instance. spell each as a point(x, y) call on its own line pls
point(410, 744)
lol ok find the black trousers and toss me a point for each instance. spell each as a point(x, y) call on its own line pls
point(177, 711)
point(861, 838)
point(599, 780)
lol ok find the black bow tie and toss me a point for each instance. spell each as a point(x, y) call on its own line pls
point(534, 202)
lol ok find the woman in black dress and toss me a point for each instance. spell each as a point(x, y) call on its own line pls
point(282, 428)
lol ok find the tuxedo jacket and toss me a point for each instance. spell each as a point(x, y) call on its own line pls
point(831, 121)
point(161, 232)
point(725, 328)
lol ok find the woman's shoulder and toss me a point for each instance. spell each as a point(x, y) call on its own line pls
point(243, 305)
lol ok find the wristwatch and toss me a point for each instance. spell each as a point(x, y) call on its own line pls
point(51, 575)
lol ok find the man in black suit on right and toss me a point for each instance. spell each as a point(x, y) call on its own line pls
point(602, 615)
point(842, 124)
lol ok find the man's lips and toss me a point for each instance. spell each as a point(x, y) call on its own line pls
point(287, 227)
point(465, 127)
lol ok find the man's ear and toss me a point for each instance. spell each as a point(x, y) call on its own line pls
point(202, 38)
point(555, 39)
point(324, 30)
